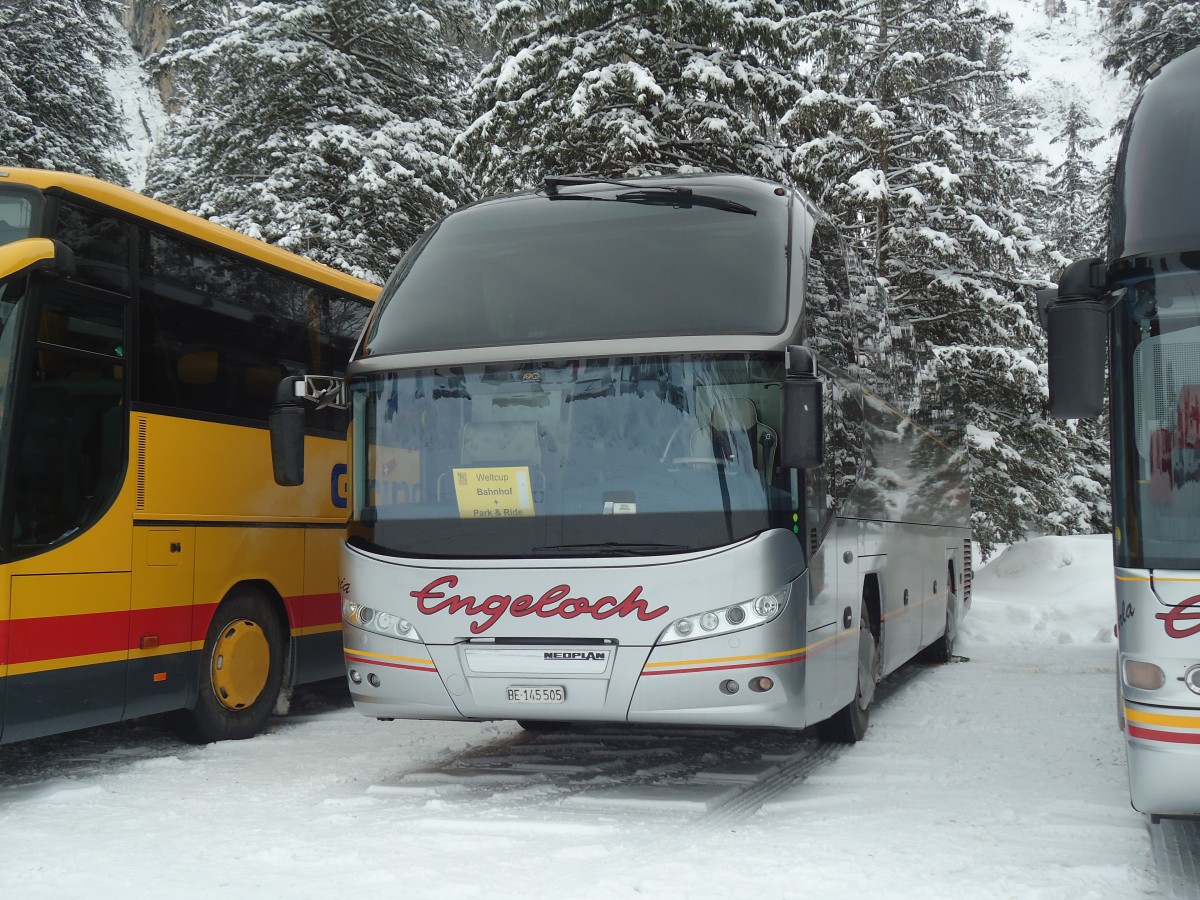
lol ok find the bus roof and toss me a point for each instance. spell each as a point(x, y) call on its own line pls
point(143, 207)
point(679, 263)
point(1156, 193)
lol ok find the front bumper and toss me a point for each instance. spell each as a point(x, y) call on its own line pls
point(702, 682)
point(1163, 748)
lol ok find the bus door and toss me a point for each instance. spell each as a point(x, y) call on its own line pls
point(833, 608)
point(63, 434)
point(834, 595)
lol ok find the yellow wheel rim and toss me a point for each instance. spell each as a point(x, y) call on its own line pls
point(241, 661)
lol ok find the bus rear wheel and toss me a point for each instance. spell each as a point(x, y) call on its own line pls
point(241, 672)
point(849, 724)
point(942, 650)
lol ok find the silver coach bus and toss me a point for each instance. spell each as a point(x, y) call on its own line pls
point(1145, 298)
point(637, 451)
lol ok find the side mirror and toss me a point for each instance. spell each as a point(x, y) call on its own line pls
point(1076, 321)
point(37, 253)
point(802, 442)
point(287, 434)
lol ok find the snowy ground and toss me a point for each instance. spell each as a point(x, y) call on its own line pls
point(1000, 776)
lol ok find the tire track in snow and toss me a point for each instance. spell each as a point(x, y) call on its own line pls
point(1175, 844)
point(686, 776)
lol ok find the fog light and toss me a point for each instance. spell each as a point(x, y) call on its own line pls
point(1143, 675)
point(373, 680)
point(709, 621)
point(1192, 679)
point(729, 686)
point(355, 677)
point(767, 606)
point(761, 683)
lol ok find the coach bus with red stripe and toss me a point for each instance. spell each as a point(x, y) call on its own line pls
point(642, 451)
point(148, 561)
point(1144, 299)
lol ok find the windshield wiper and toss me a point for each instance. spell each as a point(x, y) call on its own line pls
point(683, 198)
point(666, 195)
point(553, 182)
point(611, 548)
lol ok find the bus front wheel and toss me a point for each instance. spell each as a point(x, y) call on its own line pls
point(849, 724)
point(241, 671)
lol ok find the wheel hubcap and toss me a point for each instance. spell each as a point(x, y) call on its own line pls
point(866, 666)
point(951, 624)
point(241, 661)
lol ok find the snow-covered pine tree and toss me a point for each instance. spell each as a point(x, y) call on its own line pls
point(190, 14)
point(1077, 210)
point(1145, 35)
point(56, 108)
point(1075, 220)
point(631, 88)
point(323, 126)
point(915, 143)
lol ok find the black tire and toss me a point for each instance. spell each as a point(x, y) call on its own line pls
point(241, 671)
point(849, 724)
point(942, 650)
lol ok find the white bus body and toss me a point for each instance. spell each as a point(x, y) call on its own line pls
point(574, 483)
point(1145, 299)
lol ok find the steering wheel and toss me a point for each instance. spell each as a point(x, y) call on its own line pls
point(697, 461)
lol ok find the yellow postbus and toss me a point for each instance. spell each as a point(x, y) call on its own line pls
point(148, 561)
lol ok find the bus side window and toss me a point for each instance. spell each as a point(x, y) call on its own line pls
point(831, 331)
point(71, 444)
point(871, 320)
point(334, 325)
point(100, 244)
point(829, 314)
point(219, 333)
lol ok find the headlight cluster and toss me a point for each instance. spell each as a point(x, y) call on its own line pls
point(746, 614)
point(379, 621)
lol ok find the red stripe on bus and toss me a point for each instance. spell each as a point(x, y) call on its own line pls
point(311, 610)
point(753, 665)
point(1170, 737)
point(390, 665)
point(171, 624)
point(63, 637)
point(60, 637)
point(202, 614)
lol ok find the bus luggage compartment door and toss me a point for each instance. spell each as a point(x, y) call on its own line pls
point(68, 649)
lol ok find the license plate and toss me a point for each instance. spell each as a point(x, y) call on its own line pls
point(542, 694)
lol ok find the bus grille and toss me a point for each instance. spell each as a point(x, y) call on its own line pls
point(141, 465)
point(968, 571)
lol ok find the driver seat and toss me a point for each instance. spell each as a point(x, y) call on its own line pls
point(734, 428)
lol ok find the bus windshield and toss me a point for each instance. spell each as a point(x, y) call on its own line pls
point(1156, 401)
point(602, 265)
point(12, 291)
point(17, 212)
point(569, 457)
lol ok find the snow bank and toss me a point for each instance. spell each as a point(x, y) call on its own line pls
point(1051, 590)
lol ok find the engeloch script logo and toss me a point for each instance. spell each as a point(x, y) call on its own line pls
point(1182, 621)
point(557, 601)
